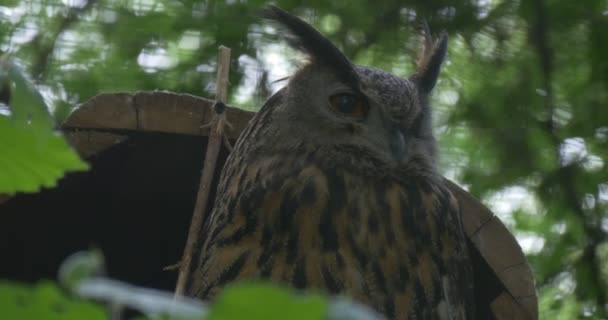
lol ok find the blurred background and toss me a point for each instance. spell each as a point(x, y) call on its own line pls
point(521, 108)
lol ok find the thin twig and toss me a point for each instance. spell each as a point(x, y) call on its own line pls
point(227, 143)
point(172, 267)
point(218, 123)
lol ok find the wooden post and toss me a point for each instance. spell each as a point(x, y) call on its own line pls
point(216, 133)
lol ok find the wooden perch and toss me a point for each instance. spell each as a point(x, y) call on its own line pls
point(216, 136)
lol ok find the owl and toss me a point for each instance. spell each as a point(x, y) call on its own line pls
point(333, 187)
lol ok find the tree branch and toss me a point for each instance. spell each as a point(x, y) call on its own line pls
point(41, 62)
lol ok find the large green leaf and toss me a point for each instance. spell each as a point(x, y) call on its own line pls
point(27, 105)
point(31, 159)
point(256, 301)
point(32, 155)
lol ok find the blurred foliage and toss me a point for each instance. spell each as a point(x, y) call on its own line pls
point(81, 276)
point(44, 301)
point(521, 109)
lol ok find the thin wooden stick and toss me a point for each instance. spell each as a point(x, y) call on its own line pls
point(213, 147)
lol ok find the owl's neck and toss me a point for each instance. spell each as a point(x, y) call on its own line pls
point(350, 158)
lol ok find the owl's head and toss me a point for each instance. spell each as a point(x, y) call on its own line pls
point(333, 102)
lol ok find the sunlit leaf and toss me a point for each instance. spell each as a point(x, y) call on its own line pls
point(253, 301)
point(43, 302)
point(31, 159)
point(26, 103)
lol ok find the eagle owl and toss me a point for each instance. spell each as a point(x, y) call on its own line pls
point(333, 187)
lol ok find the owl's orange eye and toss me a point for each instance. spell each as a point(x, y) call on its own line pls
point(352, 105)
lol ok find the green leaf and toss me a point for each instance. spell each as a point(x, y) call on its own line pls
point(45, 302)
point(31, 153)
point(255, 301)
point(31, 158)
point(27, 105)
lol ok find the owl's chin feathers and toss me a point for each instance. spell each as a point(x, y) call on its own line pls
point(355, 158)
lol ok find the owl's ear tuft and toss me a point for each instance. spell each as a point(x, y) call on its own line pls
point(430, 58)
point(307, 39)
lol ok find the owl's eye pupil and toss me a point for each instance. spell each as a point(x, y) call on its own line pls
point(346, 103)
point(349, 104)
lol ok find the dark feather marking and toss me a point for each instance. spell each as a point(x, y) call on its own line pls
point(308, 195)
point(266, 269)
point(445, 207)
point(412, 201)
point(413, 195)
point(384, 212)
point(359, 254)
point(438, 260)
point(292, 247)
point(437, 288)
point(340, 261)
point(265, 255)
point(202, 261)
point(204, 293)
point(416, 216)
point(404, 276)
point(234, 269)
point(372, 223)
point(250, 199)
point(337, 189)
point(331, 284)
point(266, 236)
point(409, 223)
point(425, 186)
point(247, 229)
point(380, 280)
point(382, 251)
point(442, 209)
point(266, 263)
point(310, 41)
point(214, 234)
point(413, 258)
point(299, 274)
point(354, 212)
point(328, 234)
point(266, 260)
point(288, 208)
point(420, 294)
point(231, 204)
point(389, 308)
point(337, 200)
point(242, 177)
point(365, 288)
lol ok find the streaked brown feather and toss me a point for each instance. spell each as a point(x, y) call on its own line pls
point(387, 242)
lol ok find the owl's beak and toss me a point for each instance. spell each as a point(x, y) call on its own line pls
point(397, 144)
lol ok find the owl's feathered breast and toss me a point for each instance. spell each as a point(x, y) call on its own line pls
point(297, 219)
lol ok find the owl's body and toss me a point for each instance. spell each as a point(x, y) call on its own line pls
point(333, 187)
